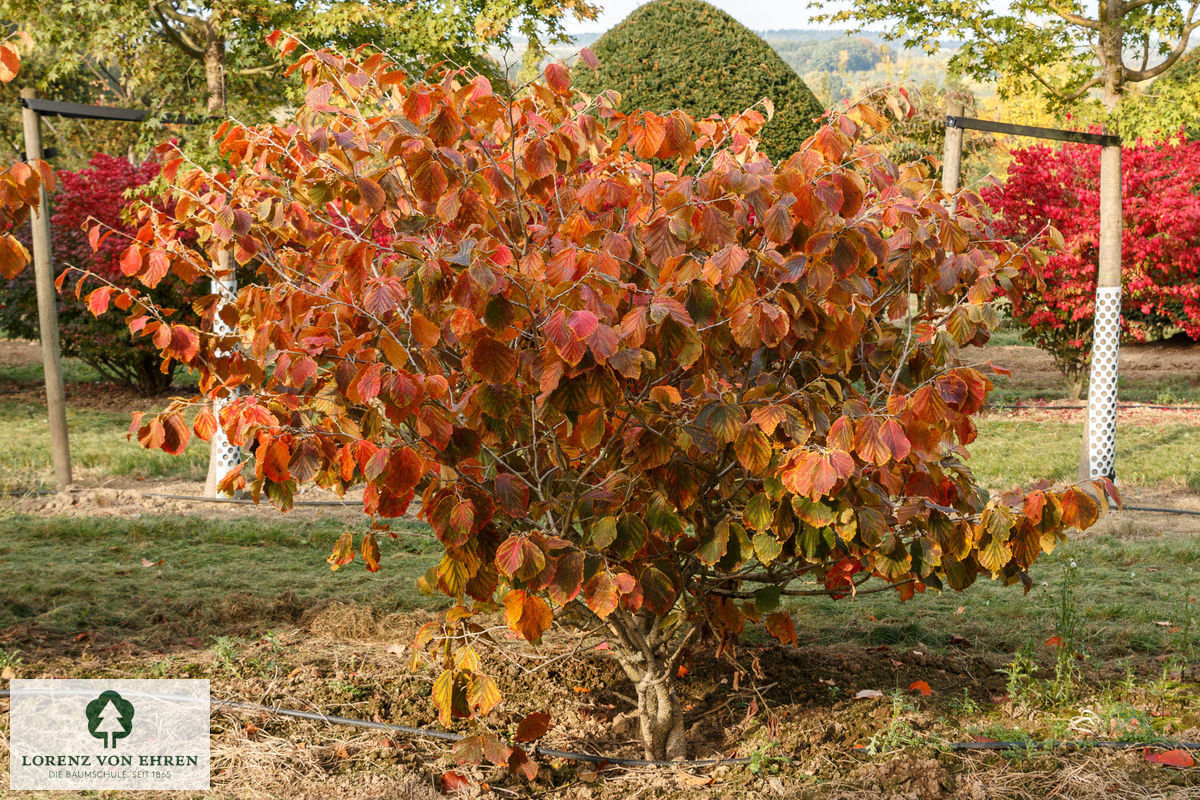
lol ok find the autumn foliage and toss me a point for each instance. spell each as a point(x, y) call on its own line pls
point(1059, 187)
point(650, 403)
point(98, 194)
point(20, 185)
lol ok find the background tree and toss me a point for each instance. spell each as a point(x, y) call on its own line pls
point(647, 403)
point(1168, 105)
point(1051, 46)
point(1161, 244)
point(209, 55)
point(100, 193)
point(689, 55)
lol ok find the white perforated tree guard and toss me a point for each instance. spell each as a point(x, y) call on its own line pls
point(1102, 383)
point(223, 455)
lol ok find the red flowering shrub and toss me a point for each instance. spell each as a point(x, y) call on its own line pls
point(1160, 248)
point(97, 193)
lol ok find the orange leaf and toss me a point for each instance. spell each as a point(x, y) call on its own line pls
point(1079, 510)
point(10, 62)
point(370, 552)
point(275, 461)
point(526, 614)
point(343, 551)
point(13, 257)
point(922, 687)
point(780, 626)
point(1180, 759)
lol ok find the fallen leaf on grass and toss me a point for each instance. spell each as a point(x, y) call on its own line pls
point(865, 694)
point(922, 687)
point(148, 563)
point(1180, 759)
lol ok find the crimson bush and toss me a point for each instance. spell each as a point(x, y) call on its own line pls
point(99, 193)
point(1059, 187)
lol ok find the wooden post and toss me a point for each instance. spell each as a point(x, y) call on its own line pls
point(1099, 437)
point(952, 153)
point(47, 302)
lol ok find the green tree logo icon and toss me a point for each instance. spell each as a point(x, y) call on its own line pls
point(110, 717)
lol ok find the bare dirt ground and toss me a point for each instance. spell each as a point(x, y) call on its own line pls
point(796, 708)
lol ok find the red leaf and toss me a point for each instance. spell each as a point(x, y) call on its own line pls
point(533, 726)
point(922, 687)
point(452, 782)
point(1179, 759)
point(557, 77)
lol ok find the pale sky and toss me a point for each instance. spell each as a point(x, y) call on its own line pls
point(757, 15)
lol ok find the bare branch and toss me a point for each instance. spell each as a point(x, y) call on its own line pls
point(1073, 18)
point(1138, 75)
point(179, 38)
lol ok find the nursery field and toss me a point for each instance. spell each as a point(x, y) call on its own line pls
point(109, 580)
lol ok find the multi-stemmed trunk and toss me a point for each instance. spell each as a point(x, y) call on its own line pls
point(649, 653)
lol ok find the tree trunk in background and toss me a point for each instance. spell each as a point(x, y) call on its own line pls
point(214, 71)
point(1110, 51)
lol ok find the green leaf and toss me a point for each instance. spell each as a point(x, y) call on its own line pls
point(712, 548)
point(767, 547)
point(766, 599)
point(758, 513)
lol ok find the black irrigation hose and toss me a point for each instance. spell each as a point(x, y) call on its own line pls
point(1076, 744)
point(243, 501)
point(1051, 744)
point(426, 733)
point(1162, 510)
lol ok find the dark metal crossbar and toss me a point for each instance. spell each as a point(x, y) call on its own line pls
point(57, 108)
point(968, 123)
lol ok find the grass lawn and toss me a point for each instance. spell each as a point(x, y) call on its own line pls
point(103, 585)
point(99, 449)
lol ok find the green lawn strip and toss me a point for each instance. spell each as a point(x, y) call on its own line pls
point(75, 371)
point(68, 574)
point(1123, 587)
point(98, 448)
point(1131, 388)
point(1016, 452)
point(62, 575)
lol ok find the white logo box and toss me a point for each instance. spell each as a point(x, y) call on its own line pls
point(75, 735)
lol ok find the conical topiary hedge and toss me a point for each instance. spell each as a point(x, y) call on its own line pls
point(687, 54)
